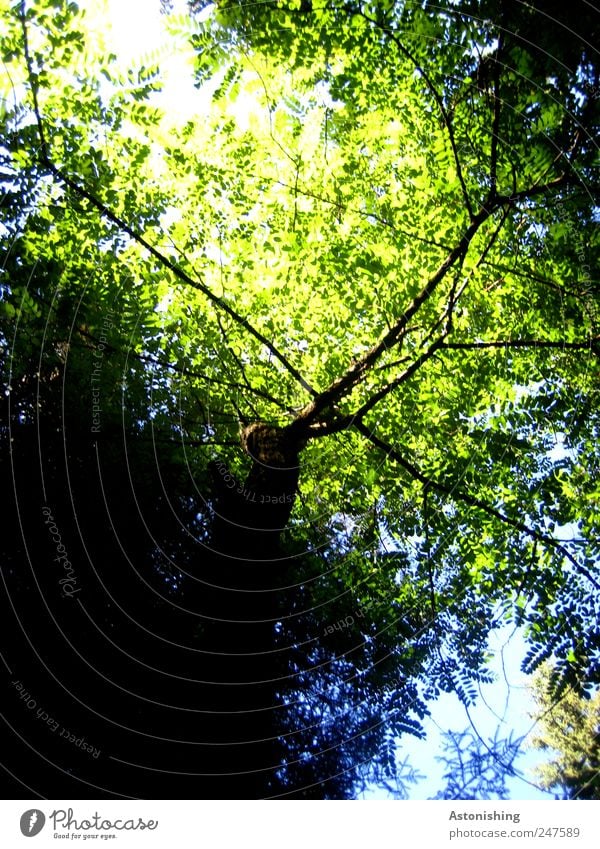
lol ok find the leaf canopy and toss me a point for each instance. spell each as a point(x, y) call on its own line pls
point(376, 223)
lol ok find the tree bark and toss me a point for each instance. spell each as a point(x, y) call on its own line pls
point(250, 516)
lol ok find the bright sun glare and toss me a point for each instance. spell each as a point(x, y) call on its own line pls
point(137, 33)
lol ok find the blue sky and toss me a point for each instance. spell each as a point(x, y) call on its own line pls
point(505, 704)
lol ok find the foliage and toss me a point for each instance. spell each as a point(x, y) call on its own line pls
point(380, 238)
point(568, 730)
point(476, 769)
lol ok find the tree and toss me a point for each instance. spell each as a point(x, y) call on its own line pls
point(332, 358)
point(569, 731)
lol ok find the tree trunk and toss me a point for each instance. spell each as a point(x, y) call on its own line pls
point(250, 517)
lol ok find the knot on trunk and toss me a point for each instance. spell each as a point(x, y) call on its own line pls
point(273, 478)
point(271, 446)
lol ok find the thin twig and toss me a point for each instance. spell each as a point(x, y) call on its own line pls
point(356, 373)
point(466, 498)
point(107, 213)
point(440, 103)
point(587, 345)
point(495, 121)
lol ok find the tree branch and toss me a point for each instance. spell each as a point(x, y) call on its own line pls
point(152, 359)
point(533, 191)
point(371, 215)
point(380, 394)
point(471, 501)
point(354, 375)
point(440, 103)
point(107, 213)
point(588, 345)
point(343, 422)
point(241, 368)
point(495, 121)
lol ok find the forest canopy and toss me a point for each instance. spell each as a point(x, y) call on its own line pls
point(305, 373)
